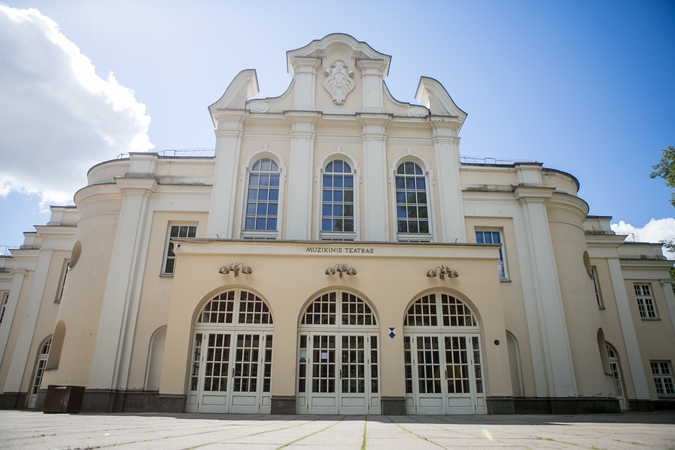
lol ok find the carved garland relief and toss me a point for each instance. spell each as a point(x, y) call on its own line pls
point(339, 82)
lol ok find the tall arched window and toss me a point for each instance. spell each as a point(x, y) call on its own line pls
point(337, 207)
point(412, 213)
point(262, 200)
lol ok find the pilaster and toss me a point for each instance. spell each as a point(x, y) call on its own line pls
point(670, 298)
point(112, 352)
point(229, 132)
point(20, 357)
point(630, 339)
point(372, 76)
point(304, 78)
point(446, 149)
point(543, 300)
point(375, 180)
point(298, 217)
point(18, 276)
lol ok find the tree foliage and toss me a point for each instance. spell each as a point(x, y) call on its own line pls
point(666, 169)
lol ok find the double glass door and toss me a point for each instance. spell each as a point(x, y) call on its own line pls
point(338, 374)
point(444, 374)
point(231, 373)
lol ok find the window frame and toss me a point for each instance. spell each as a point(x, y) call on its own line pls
point(62, 280)
point(168, 245)
point(659, 375)
point(596, 285)
point(254, 233)
point(408, 237)
point(643, 302)
point(337, 236)
point(502, 249)
point(3, 306)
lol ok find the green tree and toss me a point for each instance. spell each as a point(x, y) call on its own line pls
point(666, 169)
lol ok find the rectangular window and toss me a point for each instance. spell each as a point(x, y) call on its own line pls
point(176, 231)
point(62, 283)
point(645, 301)
point(494, 237)
point(596, 285)
point(663, 378)
point(3, 306)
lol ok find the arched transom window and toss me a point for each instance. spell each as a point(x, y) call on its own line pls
point(262, 198)
point(412, 213)
point(338, 309)
point(337, 207)
point(439, 310)
point(235, 307)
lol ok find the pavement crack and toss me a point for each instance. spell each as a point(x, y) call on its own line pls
point(365, 428)
point(415, 434)
point(312, 434)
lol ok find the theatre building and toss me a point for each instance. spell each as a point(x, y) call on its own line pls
point(335, 255)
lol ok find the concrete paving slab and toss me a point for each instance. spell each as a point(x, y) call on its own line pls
point(31, 430)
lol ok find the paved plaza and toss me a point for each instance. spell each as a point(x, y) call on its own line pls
point(34, 430)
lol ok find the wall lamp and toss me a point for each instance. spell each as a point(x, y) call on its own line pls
point(341, 268)
point(442, 272)
point(235, 267)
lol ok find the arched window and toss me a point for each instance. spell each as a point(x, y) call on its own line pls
point(442, 357)
point(231, 368)
point(262, 200)
point(338, 356)
point(412, 213)
point(40, 365)
point(337, 207)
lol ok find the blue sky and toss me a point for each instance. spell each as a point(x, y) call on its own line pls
point(586, 87)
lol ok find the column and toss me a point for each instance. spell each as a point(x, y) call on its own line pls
point(543, 301)
point(451, 206)
point(376, 200)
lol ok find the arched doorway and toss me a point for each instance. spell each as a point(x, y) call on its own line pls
point(231, 367)
point(40, 365)
point(338, 356)
point(443, 361)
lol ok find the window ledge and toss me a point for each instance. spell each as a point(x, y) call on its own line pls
point(166, 275)
point(601, 308)
point(650, 319)
point(505, 280)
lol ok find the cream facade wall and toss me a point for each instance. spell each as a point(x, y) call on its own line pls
point(513, 326)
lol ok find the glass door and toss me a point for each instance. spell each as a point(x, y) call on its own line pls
point(338, 374)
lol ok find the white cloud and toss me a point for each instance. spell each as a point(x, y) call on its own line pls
point(58, 117)
point(656, 230)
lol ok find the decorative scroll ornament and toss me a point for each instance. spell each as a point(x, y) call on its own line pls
point(417, 111)
point(339, 81)
point(258, 107)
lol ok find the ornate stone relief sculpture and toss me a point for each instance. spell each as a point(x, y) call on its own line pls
point(338, 82)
